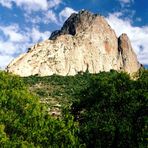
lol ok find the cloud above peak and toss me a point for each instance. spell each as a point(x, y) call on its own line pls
point(65, 13)
point(31, 5)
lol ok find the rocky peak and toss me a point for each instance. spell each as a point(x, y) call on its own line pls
point(124, 43)
point(76, 23)
point(129, 58)
point(85, 42)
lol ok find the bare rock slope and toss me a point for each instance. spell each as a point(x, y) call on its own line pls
point(85, 42)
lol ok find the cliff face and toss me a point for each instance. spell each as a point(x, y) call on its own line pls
point(85, 42)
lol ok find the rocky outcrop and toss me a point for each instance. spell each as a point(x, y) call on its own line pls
point(129, 59)
point(85, 42)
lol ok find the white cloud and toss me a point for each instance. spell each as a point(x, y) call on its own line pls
point(50, 16)
point(125, 1)
point(16, 41)
point(54, 3)
point(7, 48)
point(137, 35)
point(5, 60)
point(12, 32)
point(45, 7)
point(32, 19)
point(27, 4)
point(65, 13)
point(6, 3)
point(31, 5)
point(37, 36)
point(44, 17)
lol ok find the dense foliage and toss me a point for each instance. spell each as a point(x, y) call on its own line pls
point(105, 110)
point(113, 111)
point(26, 122)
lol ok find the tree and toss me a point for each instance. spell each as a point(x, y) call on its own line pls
point(112, 111)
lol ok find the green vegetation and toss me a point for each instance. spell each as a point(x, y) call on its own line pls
point(25, 122)
point(105, 110)
point(113, 110)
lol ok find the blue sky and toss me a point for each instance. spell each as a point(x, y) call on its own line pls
point(26, 22)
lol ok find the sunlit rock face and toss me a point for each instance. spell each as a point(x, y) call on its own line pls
point(85, 42)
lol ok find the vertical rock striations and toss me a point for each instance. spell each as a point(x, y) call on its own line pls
point(85, 42)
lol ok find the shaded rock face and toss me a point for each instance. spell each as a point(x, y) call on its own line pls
point(75, 23)
point(85, 42)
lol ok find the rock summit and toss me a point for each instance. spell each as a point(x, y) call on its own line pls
point(86, 42)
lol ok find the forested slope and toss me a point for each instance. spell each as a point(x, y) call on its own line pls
point(108, 109)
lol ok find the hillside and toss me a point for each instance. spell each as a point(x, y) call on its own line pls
point(87, 110)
